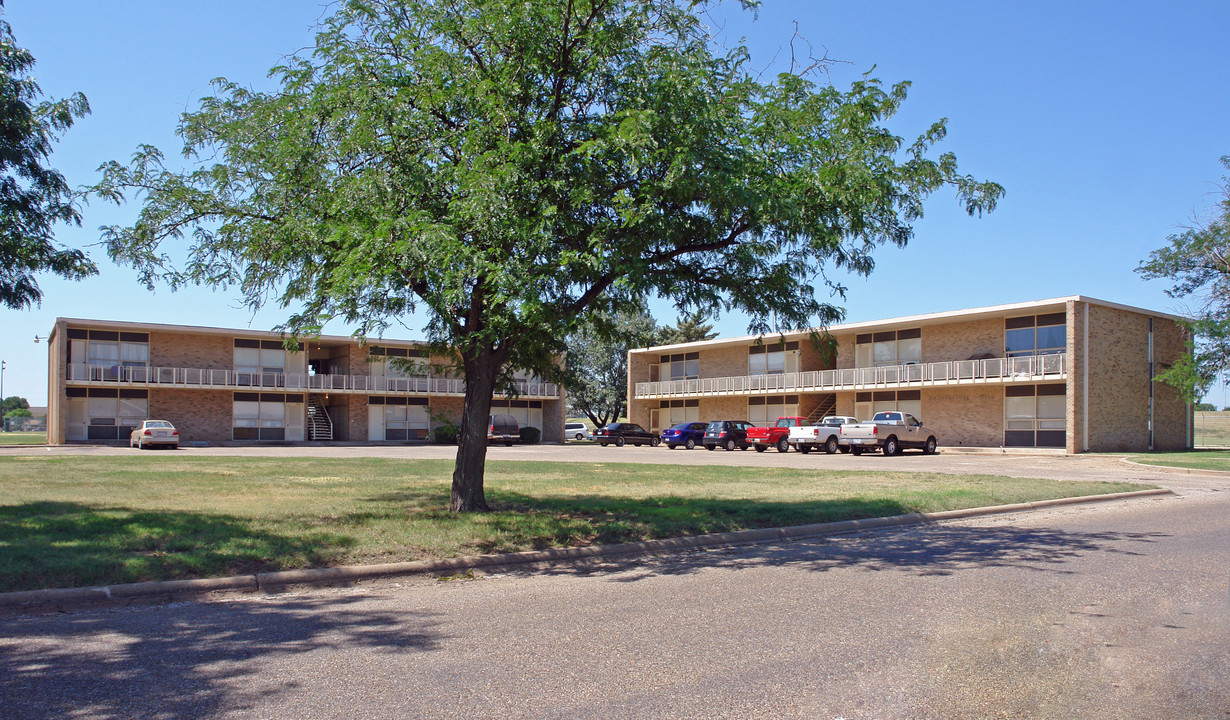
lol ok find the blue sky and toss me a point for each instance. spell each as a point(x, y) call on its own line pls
point(1104, 121)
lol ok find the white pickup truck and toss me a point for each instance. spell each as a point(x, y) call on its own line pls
point(891, 431)
point(823, 436)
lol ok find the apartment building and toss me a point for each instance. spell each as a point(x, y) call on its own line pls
point(219, 385)
point(1072, 372)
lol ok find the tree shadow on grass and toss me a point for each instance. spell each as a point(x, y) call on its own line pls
point(188, 660)
point(59, 544)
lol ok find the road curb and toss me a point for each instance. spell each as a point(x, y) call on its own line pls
point(272, 581)
point(1173, 468)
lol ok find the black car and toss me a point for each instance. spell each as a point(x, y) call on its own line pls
point(729, 434)
point(688, 434)
point(623, 433)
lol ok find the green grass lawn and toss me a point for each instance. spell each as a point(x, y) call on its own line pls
point(23, 438)
point(1194, 459)
point(70, 521)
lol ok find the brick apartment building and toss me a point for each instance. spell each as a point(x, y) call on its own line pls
point(1072, 372)
point(219, 385)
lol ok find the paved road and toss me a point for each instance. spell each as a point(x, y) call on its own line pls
point(1118, 610)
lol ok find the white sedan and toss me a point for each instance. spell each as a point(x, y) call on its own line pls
point(154, 432)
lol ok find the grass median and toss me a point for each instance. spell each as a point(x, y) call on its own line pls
point(71, 521)
point(23, 438)
point(1191, 459)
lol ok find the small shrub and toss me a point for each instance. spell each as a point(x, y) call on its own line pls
point(446, 434)
point(530, 435)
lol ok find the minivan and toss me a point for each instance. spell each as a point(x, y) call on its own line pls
point(576, 431)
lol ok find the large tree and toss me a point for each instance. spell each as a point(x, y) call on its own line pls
point(1197, 262)
point(507, 166)
point(597, 360)
point(33, 196)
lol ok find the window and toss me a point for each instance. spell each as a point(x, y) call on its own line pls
point(405, 418)
point(262, 416)
point(673, 412)
point(867, 404)
point(260, 362)
point(680, 366)
point(112, 414)
point(764, 411)
point(892, 347)
point(1035, 416)
point(528, 413)
point(1035, 335)
point(773, 359)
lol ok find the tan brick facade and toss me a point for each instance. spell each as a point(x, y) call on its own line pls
point(202, 405)
point(1106, 388)
point(199, 415)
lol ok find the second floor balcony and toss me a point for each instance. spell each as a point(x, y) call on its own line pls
point(172, 377)
point(996, 371)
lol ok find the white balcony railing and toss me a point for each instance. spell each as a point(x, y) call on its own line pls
point(954, 372)
point(145, 376)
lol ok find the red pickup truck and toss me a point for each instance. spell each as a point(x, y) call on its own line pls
point(777, 436)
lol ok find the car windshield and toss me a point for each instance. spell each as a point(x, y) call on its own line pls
point(682, 426)
point(157, 424)
point(612, 426)
point(717, 425)
point(785, 422)
point(887, 417)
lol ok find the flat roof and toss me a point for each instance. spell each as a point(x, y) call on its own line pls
point(230, 332)
point(1047, 305)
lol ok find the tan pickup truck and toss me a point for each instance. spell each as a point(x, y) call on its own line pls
point(890, 431)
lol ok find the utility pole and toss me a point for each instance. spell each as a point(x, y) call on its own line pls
point(3, 424)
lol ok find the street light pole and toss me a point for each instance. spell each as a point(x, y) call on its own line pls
point(3, 425)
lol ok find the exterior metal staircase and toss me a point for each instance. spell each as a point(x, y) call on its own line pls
point(827, 406)
point(320, 426)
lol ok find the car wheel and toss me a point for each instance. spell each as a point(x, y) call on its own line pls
point(655, 442)
point(619, 442)
point(804, 448)
point(856, 451)
point(929, 448)
point(843, 448)
point(671, 446)
point(690, 444)
point(602, 444)
point(711, 447)
point(140, 444)
point(783, 445)
point(730, 445)
point(830, 447)
point(761, 448)
point(580, 436)
point(891, 447)
point(508, 444)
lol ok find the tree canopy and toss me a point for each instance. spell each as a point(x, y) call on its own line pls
point(509, 167)
point(1197, 262)
point(689, 328)
point(597, 361)
point(33, 196)
point(13, 402)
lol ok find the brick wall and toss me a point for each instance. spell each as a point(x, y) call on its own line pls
point(186, 350)
point(199, 415)
point(1118, 380)
point(553, 421)
point(965, 416)
point(1171, 414)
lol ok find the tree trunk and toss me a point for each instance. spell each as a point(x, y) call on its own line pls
point(468, 495)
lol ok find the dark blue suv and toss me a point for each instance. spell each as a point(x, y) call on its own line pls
point(688, 434)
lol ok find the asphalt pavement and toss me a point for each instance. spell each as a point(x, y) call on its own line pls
point(1115, 610)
